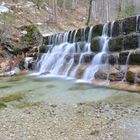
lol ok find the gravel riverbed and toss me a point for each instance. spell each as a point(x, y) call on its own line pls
point(102, 120)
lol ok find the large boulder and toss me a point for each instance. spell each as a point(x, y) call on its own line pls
point(133, 77)
point(112, 74)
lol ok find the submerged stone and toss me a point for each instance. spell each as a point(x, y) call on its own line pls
point(26, 105)
point(2, 105)
point(10, 98)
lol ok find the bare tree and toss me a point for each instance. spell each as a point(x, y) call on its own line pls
point(89, 12)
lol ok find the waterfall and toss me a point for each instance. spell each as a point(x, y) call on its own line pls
point(90, 34)
point(126, 66)
point(60, 58)
point(138, 28)
point(74, 38)
point(97, 60)
point(137, 23)
point(86, 50)
point(136, 77)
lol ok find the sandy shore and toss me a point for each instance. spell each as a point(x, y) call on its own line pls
point(82, 121)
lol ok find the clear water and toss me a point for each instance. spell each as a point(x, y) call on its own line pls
point(55, 90)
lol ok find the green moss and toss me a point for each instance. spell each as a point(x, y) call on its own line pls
point(97, 30)
point(4, 87)
point(25, 105)
point(2, 105)
point(14, 97)
point(14, 79)
point(30, 37)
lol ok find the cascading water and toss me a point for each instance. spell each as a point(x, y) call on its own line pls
point(60, 58)
point(70, 52)
point(97, 60)
point(126, 66)
point(86, 49)
point(138, 28)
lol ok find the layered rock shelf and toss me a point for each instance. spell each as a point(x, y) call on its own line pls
point(120, 56)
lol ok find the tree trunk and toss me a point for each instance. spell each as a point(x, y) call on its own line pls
point(89, 12)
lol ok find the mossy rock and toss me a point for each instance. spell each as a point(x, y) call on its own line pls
point(123, 57)
point(116, 44)
point(30, 37)
point(113, 59)
point(129, 25)
point(2, 105)
point(78, 37)
point(26, 105)
point(116, 29)
point(131, 41)
point(43, 49)
point(87, 33)
point(97, 30)
point(134, 59)
point(10, 98)
point(80, 45)
point(123, 42)
point(95, 44)
point(5, 86)
point(88, 57)
point(76, 58)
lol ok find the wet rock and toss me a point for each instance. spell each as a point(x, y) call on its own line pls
point(80, 45)
point(134, 58)
point(95, 44)
point(100, 75)
point(112, 75)
point(131, 41)
point(129, 25)
point(81, 71)
point(123, 57)
point(87, 33)
point(78, 35)
point(28, 62)
point(13, 72)
point(116, 29)
point(88, 57)
point(46, 40)
point(113, 59)
point(116, 43)
point(133, 77)
point(76, 58)
point(97, 30)
point(116, 76)
point(123, 42)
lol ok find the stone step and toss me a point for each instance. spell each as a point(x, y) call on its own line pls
point(120, 27)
